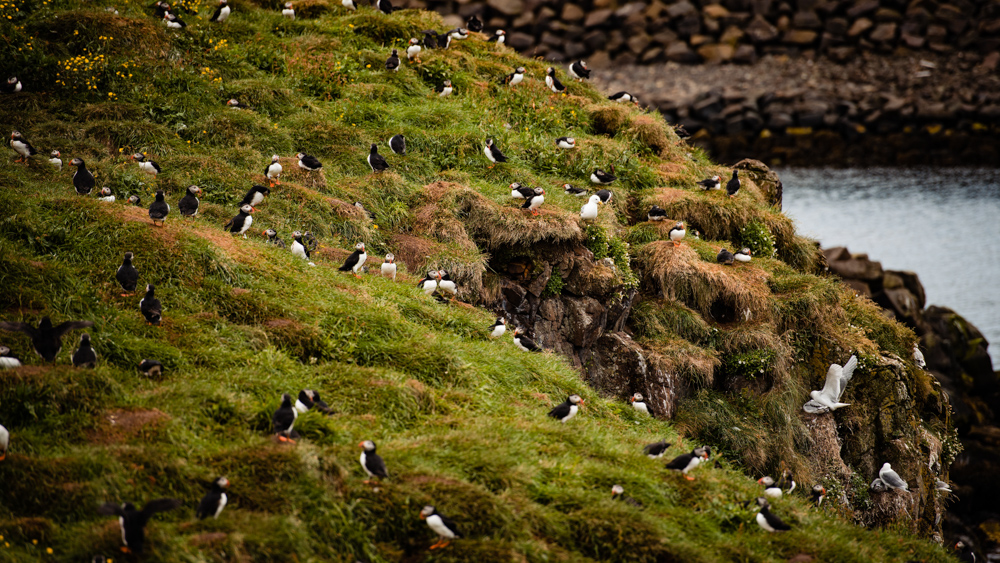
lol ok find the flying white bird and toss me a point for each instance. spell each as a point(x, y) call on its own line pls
point(836, 381)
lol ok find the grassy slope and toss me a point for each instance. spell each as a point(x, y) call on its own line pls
point(460, 420)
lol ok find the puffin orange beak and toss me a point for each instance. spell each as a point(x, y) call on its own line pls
point(759, 480)
point(421, 516)
point(632, 400)
point(361, 444)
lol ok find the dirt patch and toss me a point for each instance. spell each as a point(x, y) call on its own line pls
point(413, 251)
point(120, 425)
point(209, 538)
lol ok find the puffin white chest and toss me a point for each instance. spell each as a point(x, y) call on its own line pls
point(121, 522)
point(436, 524)
point(677, 234)
point(247, 221)
point(361, 262)
point(364, 464)
point(429, 287)
point(762, 522)
point(300, 251)
point(572, 412)
point(536, 202)
point(20, 147)
point(516, 79)
point(223, 499)
point(389, 270)
point(691, 464)
point(640, 406)
point(498, 331)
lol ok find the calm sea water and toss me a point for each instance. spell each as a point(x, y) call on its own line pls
point(942, 223)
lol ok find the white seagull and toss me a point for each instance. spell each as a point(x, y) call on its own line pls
point(836, 381)
point(589, 210)
point(891, 478)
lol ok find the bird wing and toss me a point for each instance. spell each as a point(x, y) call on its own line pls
point(891, 478)
point(350, 262)
point(229, 223)
point(376, 465)
point(70, 325)
point(283, 419)
point(111, 509)
point(216, 14)
point(846, 374)
point(655, 448)
point(31, 331)
point(680, 462)
point(449, 524)
point(831, 388)
point(158, 505)
point(205, 506)
point(815, 407)
point(559, 411)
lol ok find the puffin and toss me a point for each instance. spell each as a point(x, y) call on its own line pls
point(605, 195)
point(160, 8)
point(743, 255)
point(368, 214)
point(4, 442)
point(918, 356)
point(533, 202)
point(356, 260)
point(150, 306)
point(965, 553)
point(127, 275)
point(188, 205)
point(687, 462)
point(459, 33)
point(891, 478)
point(566, 409)
point(371, 462)
point(284, 419)
point(524, 343)
point(515, 78)
point(46, 340)
point(499, 37)
point(656, 449)
point(656, 213)
point(298, 248)
point(579, 70)
point(398, 144)
point(601, 177)
point(620, 97)
point(442, 526)
point(498, 328)
point(289, 11)
point(389, 267)
point(566, 143)
point(54, 159)
point(713, 183)
point(135, 200)
point(574, 191)
point(310, 163)
point(273, 171)
point(255, 196)
point(376, 161)
point(173, 22)
point(639, 403)
point(413, 49)
point(308, 399)
point(385, 6)
point(83, 180)
point(589, 210)
point(443, 40)
point(618, 493)
point(159, 209)
point(733, 186)
point(552, 82)
point(151, 368)
point(446, 284)
point(105, 195)
point(518, 191)
point(430, 282)
point(430, 39)
point(7, 359)
point(21, 146)
point(818, 494)
point(214, 500)
point(273, 238)
point(768, 521)
point(474, 23)
point(13, 85)
point(771, 489)
point(147, 166)
point(725, 257)
point(493, 153)
point(349, 4)
point(446, 89)
point(392, 63)
point(677, 233)
point(221, 12)
point(133, 521)
point(242, 221)
point(85, 357)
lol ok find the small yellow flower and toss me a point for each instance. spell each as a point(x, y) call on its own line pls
point(34, 542)
point(48, 550)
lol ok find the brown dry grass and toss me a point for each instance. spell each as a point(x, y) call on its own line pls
point(652, 131)
point(694, 364)
point(121, 425)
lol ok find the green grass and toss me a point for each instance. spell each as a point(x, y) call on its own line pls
point(459, 419)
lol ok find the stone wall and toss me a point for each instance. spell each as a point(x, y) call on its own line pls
point(605, 31)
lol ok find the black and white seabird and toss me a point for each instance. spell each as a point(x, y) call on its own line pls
point(891, 478)
point(430, 282)
point(4, 442)
point(159, 209)
point(818, 494)
point(621, 97)
point(493, 153)
point(376, 161)
point(677, 233)
point(459, 33)
point(351, 5)
point(687, 462)
point(430, 39)
point(534, 201)
point(134, 200)
point(768, 521)
point(356, 260)
point(150, 306)
point(310, 163)
point(656, 449)
point(522, 341)
point(8, 360)
point(828, 399)
point(713, 183)
point(147, 166)
point(173, 22)
point(446, 284)
point(385, 6)
point(474, 23)
point(388, 268)
point(601, 177)
point(498, 328)
point(443, 40)
point(552, 82)
point(918, 356)
point(133, 521)
point(83, 180)
point(364, 210)
point(273, 238)
point(151, 368)
point(54, 159)
point(46, 340)
point(566, 409)
point(105, 195)
point(515, 78)
point(273, 171)
point(574, 191)
point(371, 462)
point(85, 357)
point(965, 553)
point(308, 400)
point(160, 8)
point(605, 195)
point(188, 205)
point(284, 419)
point(392, 63)
point(289, 10)
point(500, 36)
point(442, 526)
point(214, 500)
point(733, 186)
point(13, 85)
point(743, 255)
point(413, 49)
point(566, 143)
point(518, 191)
point(590, 209)
point(241, 222)
point(618, 493)
point(579, 70)
point(446, 89)
point(221, 12)
point(725, 257)
point(656, 213)
point(299, 248)
point(771, 487)
point(21, 146)
point(255, 196)
point(639, 403)
point(398, 144)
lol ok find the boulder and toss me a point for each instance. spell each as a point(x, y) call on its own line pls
point(859, 26)
point(761, 31)
point(681, 9)
point(800, 37)
point(597, 18)
point(883, 33)
point(680, 52)
point(507, 7)
point(716, 53)
point(862, 7)
point(519, 40)
point(745, 55)
point(572, 13)
point(807, 20)
point(857, 268)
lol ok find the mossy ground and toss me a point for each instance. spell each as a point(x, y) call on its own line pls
point(459, 419)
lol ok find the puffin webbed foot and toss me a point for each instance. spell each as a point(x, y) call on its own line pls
point(689, 478)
